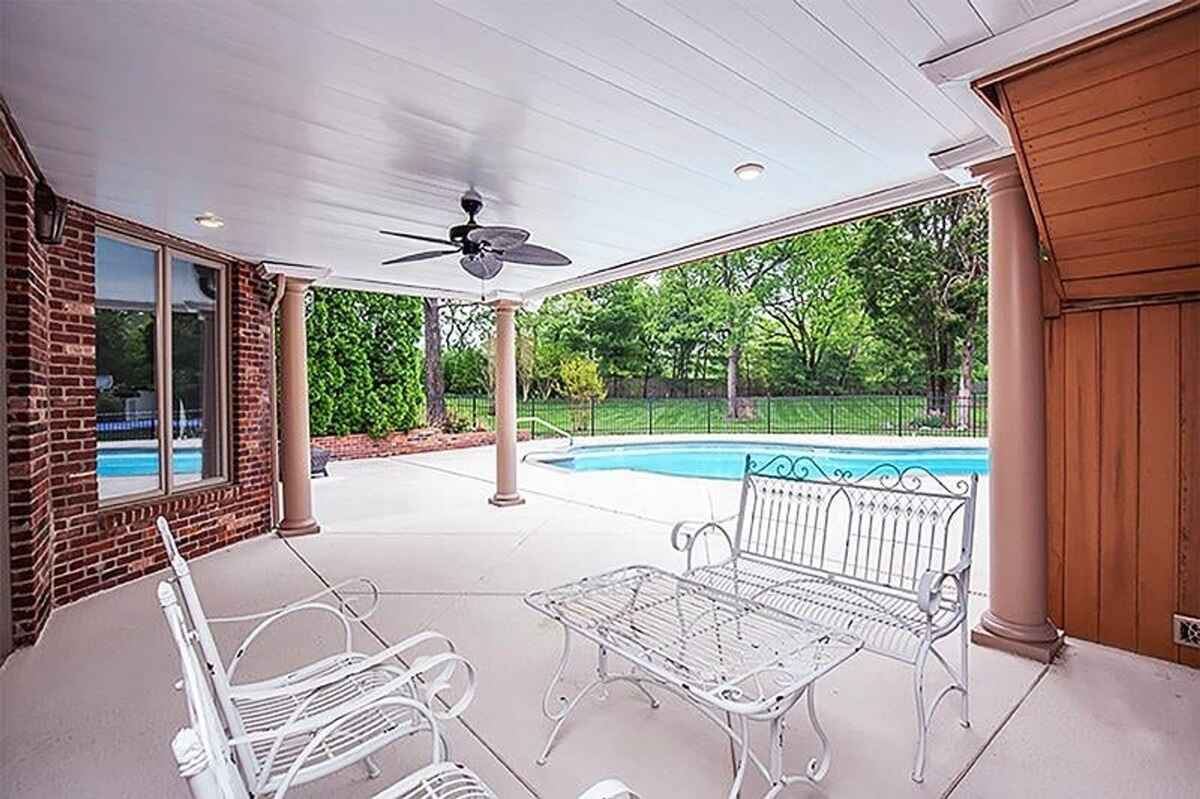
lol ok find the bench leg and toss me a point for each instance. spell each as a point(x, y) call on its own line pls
point(965, 709)
point(918, 772)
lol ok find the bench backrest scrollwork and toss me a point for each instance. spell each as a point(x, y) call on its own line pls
point(887, 526)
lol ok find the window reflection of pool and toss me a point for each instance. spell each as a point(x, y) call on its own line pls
point(143, 461)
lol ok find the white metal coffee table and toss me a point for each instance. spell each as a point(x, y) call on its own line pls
point(734, 659)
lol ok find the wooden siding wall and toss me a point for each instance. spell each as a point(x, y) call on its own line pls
point(1123, 452)
point(1108, 140)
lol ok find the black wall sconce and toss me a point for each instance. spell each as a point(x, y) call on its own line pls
point(49, 214)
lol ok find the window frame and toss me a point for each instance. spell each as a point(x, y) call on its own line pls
point(164, 255)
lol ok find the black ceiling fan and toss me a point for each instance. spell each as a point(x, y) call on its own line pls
point(484, 248)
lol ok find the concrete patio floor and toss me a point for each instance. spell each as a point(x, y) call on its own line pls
point(90, 710)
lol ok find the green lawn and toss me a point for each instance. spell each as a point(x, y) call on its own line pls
point(867, 414)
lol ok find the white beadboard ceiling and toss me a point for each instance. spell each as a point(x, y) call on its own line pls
point(609, 128)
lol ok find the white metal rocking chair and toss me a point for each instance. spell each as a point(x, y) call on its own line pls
point(205, 756)
point(273, 725)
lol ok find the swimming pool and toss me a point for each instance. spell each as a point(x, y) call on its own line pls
point(142, 461)
point(727, 459)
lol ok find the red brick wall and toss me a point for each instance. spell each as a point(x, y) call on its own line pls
point(27, 369)
point(100, 547)
point(64, 545)
point(346, 448)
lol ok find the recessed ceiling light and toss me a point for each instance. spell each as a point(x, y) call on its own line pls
point(210, 220)
point(749, 171)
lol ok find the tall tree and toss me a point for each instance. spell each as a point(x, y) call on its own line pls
point(923, 272)
point(817, 303)
point(435, 384)
point(739, 277)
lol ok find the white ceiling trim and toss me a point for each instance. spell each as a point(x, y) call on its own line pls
point(973, 152)
point(296, 271)
point(404, 289)
point(868, 205)
point(1036, 37)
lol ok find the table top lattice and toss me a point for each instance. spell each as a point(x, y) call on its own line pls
point(698, 638)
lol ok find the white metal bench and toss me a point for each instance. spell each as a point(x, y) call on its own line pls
point(886, 555)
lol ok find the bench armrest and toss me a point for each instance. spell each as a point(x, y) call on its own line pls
point(929, 590)
point(685, 534)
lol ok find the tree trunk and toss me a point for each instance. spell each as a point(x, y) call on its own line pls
point(435, 386)
point(731, 381)
point(966, 384)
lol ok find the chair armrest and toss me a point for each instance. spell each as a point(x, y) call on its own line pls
point(332, 726)
point(345, 607)
point(929, 589)
point(286, 613)
point(685, 534)
point(345, 613)
point(430, 674)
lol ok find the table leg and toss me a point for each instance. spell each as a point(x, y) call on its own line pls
point(818, 766)
point(562, 717)
point(555, 715)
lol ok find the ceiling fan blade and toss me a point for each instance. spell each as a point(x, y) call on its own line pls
point(419, 256)
point(415, 237)
point(484, 266)
point(534, 255)
point(498, 237)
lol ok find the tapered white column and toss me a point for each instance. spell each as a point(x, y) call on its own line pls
point(293, 413)
point(506, 405)
point(1016, 618)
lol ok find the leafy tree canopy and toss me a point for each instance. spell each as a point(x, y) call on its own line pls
point(364, 365)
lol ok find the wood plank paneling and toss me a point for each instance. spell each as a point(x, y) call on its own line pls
point(1105, 191)
point(1130, 91)
point(1123, 474)
point(1125, 239)
point(1139, 259)
point(1116, 137)
point(1106, 161)
point(1142, 211)
point(1189, 468)
point(1118, 478)
point(1158, 479)
point(1130, 119)
point(1145, 284)
point(1130, 54)
point(1056, 428)
point(1081, 604)
point(1108, 137)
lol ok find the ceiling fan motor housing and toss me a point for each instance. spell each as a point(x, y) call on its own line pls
point(483, 254)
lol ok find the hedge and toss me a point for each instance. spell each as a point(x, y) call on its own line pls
point(364, 363)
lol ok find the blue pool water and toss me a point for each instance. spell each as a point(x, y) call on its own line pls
point(727, 459)
point(139, 462)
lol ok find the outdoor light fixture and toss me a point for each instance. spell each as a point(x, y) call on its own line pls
point(210, 220)
point(749, 171)
point(49, 214)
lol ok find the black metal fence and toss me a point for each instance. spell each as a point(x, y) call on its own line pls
point(139, 425)
point(851, 414)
